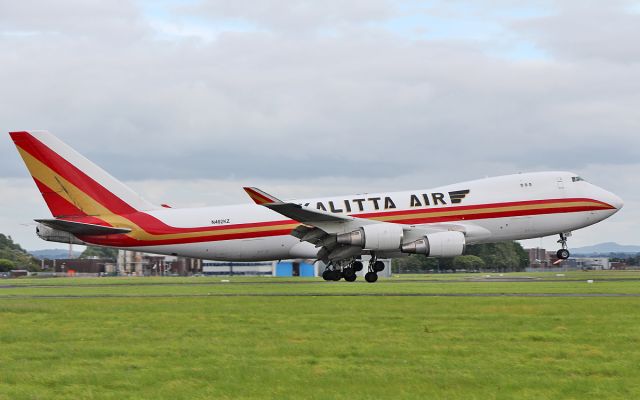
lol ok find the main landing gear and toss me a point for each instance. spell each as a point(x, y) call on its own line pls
point(563, 253)
point(347, 271)
point(375, 266)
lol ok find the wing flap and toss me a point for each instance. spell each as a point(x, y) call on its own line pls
point(304, 214)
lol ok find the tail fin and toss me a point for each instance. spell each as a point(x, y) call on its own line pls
point(70, 184)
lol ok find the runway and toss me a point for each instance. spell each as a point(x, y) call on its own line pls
point(97, 296)
point(318, 282)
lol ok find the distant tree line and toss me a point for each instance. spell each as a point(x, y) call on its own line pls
point(629, 259)
point(99, 252)
point(499, 257)
point(12, 256)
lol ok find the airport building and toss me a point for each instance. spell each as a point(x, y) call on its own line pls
point(145, 264)
point(539, 258)
point(306, 268)
point(542, 260)
point(588, 263)
point(227, 268)
point(78, 266)
point(134, 263)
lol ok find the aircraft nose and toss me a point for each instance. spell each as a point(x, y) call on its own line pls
point(617, 202)
point(614, 200)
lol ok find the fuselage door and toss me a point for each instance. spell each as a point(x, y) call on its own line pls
point(560, 183)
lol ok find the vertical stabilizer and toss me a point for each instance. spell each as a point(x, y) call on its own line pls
point(70, 184)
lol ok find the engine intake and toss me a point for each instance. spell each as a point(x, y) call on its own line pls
point(440, 244)
point(382, 236)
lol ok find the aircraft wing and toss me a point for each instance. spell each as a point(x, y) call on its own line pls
point(322, 228)
point(328, 222)
point(81, 228)
point(292, 210)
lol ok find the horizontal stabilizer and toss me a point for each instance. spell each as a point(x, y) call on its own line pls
point(82, 229)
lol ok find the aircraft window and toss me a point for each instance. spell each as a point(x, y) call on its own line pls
point(576, 179)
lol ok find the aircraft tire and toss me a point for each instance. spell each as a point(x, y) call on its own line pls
point(371, 277)
point(350, 278)
point(378, 266)
point(336, 275)
point(326, 275)
point(357, 266)
point(563, 254)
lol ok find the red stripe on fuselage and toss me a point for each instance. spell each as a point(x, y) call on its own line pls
point(126, 241)
point(480, 207)
point(493, 215)
point(174, 230)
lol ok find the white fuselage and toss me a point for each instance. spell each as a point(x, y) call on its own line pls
point(509, 207)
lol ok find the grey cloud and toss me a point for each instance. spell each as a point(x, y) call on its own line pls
point(293, 16)
point(83, 19)
point(364, 103)
point(605, 31)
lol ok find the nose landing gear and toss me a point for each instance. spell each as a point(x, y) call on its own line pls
point(563, 253)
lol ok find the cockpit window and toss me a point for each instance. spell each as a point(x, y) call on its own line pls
point(576, 179)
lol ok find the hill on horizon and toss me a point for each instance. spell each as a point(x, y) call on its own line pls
point(15, 257)
point(605, 248)
point(53, 254)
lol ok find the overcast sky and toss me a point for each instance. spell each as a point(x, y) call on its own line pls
point(187, 101)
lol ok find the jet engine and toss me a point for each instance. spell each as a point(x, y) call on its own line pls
point(54, 235)
point(440, 244)
point(374, 237)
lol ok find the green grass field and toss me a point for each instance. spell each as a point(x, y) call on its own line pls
point(432, 336)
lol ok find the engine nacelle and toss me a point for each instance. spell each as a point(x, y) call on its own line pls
point(440, 244)
point(374, 237)
point(54, 235)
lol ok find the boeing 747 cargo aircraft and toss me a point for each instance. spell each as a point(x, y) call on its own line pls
point(91, 207)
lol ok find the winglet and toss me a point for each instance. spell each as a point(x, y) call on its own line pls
point(261, 197)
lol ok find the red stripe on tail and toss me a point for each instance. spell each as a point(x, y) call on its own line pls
point(71, 173)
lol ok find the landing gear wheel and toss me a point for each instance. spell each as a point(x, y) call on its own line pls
point(563, 254)
point(371, 277)
point(349, 274)
point(378, 266)
point(326, 275)
point(357, 266)
point(336, 275)
point(350, 278)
